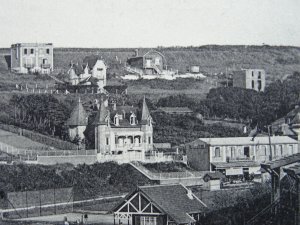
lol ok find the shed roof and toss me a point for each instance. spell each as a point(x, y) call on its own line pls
point(78, 116)
point(247, 140)
point(281, 162)
point(225, 165)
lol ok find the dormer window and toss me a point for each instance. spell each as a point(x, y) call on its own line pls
point(133, 119)
point(116, 120)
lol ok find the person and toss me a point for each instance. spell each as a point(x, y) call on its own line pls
point(85, 218)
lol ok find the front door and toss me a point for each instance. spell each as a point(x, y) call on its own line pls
point(246, 152)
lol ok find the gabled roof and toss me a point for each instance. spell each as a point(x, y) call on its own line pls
point(173, 200)
point(78, 116)
point(143, 52)
point(91, 61)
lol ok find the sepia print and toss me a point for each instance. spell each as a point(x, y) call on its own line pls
point(149, 112)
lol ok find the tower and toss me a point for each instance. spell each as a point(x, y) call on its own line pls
point(101, 123)
point(146, 127)
point(77, 122)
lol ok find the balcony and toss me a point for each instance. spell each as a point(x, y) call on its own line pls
point(29, 65)
point(45, 66)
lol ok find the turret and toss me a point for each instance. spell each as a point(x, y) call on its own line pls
point(101, 123)
point(146, 127)
point(77, 122)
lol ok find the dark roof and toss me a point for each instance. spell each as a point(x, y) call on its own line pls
point(281, 162)
point(91, 60)
point(145, 112)
point(214, 175)
point(77, 68)
point(78, 116)
point(101, 115)
point(174, 201)
point(294, 169)
point(224, 165)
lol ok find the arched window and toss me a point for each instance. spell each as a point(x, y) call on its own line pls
point(132, 119)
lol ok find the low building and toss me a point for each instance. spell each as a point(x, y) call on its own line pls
point(238, 155)
point(32, 58)
point(212, 180)
point(160, 205)
point(254, 79)
point(147, 62)
point(175, 110)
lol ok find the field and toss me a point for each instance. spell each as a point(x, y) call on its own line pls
point(19, 141)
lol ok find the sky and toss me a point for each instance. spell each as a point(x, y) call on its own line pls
point(150, 23)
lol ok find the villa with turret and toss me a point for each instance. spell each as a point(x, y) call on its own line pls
point(122, 133)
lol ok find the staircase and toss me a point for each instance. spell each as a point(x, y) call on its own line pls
point(133, 70)
point(187, 178)
point(158, 71)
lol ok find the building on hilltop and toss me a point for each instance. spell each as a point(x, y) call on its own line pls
point(91, 73)
point(77, 122)
point(238, 155)
point(119, 131)
point(147, 62)
point(254, 79)
point(32, 58)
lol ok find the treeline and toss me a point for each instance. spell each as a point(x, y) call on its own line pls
point(42, 113)
point(260, 108)
point(88, 181)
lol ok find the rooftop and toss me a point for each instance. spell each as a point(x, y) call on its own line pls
point(31, 44)
point(281, 162)
point(224, 165)
point(78, 116)
point(246, 140)
point(174, 201)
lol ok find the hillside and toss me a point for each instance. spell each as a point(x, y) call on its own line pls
point(276, 60)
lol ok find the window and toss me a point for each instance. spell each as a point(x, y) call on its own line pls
point(253, 84)
point(247, 152)
point(263, 151)
point(116, 120)
point(149, 140)
point(217, 152)
point(290, 149)
point(259, 74)
point(232, 150)
point(48, 51)
point(32, 51)
point(148, 220)
point(25, 51)
point(280, 150)
point(132, 119)
point(99, 69)
point(107, 141)
point(259, 85)
point(252, 73)
point(156, 61)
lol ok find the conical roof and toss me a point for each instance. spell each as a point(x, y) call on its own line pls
point(101, 115)
point(296, 120)
point(145, 111)
point(78, 116)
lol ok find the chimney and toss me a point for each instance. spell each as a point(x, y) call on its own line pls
point(190, 194)
point(136, 52)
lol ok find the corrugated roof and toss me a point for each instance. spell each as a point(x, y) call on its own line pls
point(248, 140)
point(224, 165)
point(174, 201)
point(78, 116)
point(282, 162)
